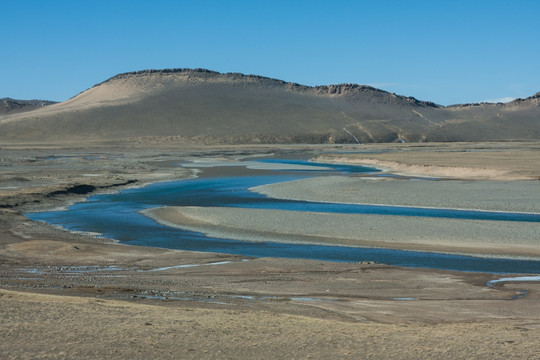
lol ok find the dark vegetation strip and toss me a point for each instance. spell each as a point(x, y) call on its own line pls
point(82, 189)
point(86, 189)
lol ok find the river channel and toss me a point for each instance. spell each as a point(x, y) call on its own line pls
point(117, 216)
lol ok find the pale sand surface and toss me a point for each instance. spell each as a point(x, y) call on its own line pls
point(505, 196)
point(461, 236)
point(66, 295)
point(495, 161)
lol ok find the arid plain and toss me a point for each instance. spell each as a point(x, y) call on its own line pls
point(74, 295)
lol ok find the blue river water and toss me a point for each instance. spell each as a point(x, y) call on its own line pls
point(116, 216)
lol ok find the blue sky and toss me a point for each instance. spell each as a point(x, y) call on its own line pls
point(443, 51)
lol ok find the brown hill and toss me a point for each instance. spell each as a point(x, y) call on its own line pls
point(206, 106)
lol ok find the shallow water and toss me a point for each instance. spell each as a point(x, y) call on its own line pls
point(513, 279)
point(116, 216)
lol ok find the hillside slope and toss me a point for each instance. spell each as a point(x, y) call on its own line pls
point(204, 106)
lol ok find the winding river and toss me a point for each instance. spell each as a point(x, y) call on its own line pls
point(117, 216)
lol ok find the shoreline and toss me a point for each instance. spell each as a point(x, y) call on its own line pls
point(416, 170)
point(487, 161)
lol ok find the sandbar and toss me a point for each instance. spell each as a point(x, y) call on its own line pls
point(504, 196)
point(397, 232)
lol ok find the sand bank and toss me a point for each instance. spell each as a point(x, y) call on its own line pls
point(401, 232)
point(252, 165)
point(427, 170)
point(489, 161)
point(512, 196)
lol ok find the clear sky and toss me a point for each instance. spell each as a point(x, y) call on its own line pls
point(446, 51)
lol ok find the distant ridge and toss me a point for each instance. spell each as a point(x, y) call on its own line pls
point(9, 105)
point(204, 106)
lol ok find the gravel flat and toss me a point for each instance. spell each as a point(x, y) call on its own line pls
point(460, 236)
point(512, 196)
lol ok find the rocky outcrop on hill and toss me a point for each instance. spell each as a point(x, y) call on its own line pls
point(530, 101)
